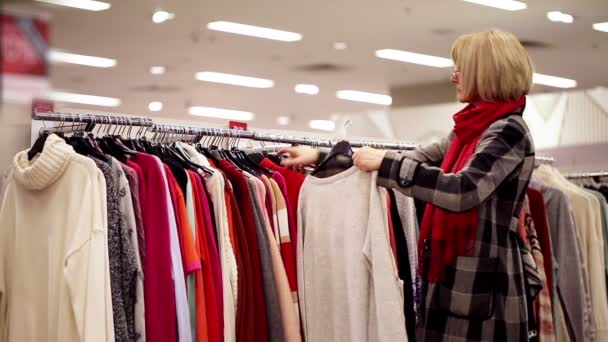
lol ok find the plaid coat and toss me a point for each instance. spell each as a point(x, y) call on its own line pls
point(485, 296)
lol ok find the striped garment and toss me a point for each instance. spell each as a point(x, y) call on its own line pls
point(542, 306)
point(483, 296)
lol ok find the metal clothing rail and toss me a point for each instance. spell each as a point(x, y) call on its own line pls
point(586, 174)
point(94, 119)
point(540, 160)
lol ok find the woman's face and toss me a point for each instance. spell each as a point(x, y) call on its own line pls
point(456, 79)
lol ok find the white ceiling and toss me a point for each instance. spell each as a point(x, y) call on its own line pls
point(185, 46)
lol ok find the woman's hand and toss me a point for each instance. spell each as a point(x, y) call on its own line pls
point(368, 159)
point(299, 156)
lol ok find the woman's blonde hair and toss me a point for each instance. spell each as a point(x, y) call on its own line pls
point(493, 66)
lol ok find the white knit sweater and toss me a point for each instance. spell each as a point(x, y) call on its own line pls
point(348, 285)
point(54, 271)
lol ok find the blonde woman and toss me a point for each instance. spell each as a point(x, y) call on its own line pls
point(477, 276)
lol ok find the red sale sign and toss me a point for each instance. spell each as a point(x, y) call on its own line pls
point(25, 42)
point(242, 126)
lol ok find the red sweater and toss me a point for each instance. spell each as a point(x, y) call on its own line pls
point(159, 292)
point(241, 191)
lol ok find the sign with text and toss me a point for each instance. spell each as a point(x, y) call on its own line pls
point(242, 126)
point(25, 42)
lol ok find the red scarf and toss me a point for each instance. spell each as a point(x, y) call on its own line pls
point(454, 234)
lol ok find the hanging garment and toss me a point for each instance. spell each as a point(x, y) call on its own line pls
point(291, 209)
point(256, 328)
point(184, 332)
point(137, 191)
point(494, 182)
point(294, 181)
point(208, 286)
point(134, 300)
point(273, 309)
point(191, 260)
point(123, 266)
point(54, 260)
point(405, 273)
point(349, 286)
point(604, 222)
point(543, 310)
point(568, 265)
point(159, 289)
point(588, 222)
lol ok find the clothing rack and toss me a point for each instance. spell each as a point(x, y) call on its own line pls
point(586, 174)
point(93, 119)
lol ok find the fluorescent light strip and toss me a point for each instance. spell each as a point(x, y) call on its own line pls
point(155, 106)
point(157, 70)
point(361, 96)
point(61, 96)
point(57, 56)
point(415, 58)
point(322, 125)
point(509, 5)
point(161, 16)
point(283, 120)
point(601, 27)
point(553, 81)
point(559, 17)
point(244, 81)
point(89, 5)
point(220, 113)
point(308, 89)
point(254, 31)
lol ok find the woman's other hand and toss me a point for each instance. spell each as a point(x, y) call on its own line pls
point(368, 159)
point(299, 156)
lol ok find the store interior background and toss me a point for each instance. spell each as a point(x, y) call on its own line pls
point(336, 52)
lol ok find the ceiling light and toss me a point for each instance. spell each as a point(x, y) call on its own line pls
point(601, 27)
point(553, 81)
point(89, 5)
point(60, 96)
point(416, 58)
point(322, 125)
point(220, 113)
point(244, 81)
point(559, 17)
point(155, 106)
point(157, 70)
point(254, 31)
point(361, 96)
point(161, 16)
point(308, 89)
point(340, 46)
point(283, 120)
point(56, 56)
point(509, 5)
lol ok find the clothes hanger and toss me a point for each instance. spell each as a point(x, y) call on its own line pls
point(339, 159)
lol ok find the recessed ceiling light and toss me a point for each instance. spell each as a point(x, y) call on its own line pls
point(322, 125)
point(161, 16)
point(601, 27)
point(89, 5)
point(221, 113)
point(283, 120)
point(254, 31)
point(340, 46)
point(361, 96)
point(244, 81)
point(553, 81)
point(509, 5)
point(416, 58)
point(308, 89)
point(155, 106)
point(157, 70)
point(93, 100)
point(559, 17)
point(57, 56)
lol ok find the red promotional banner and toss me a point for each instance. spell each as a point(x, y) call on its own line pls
point(242, 126)
point(25, 42)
